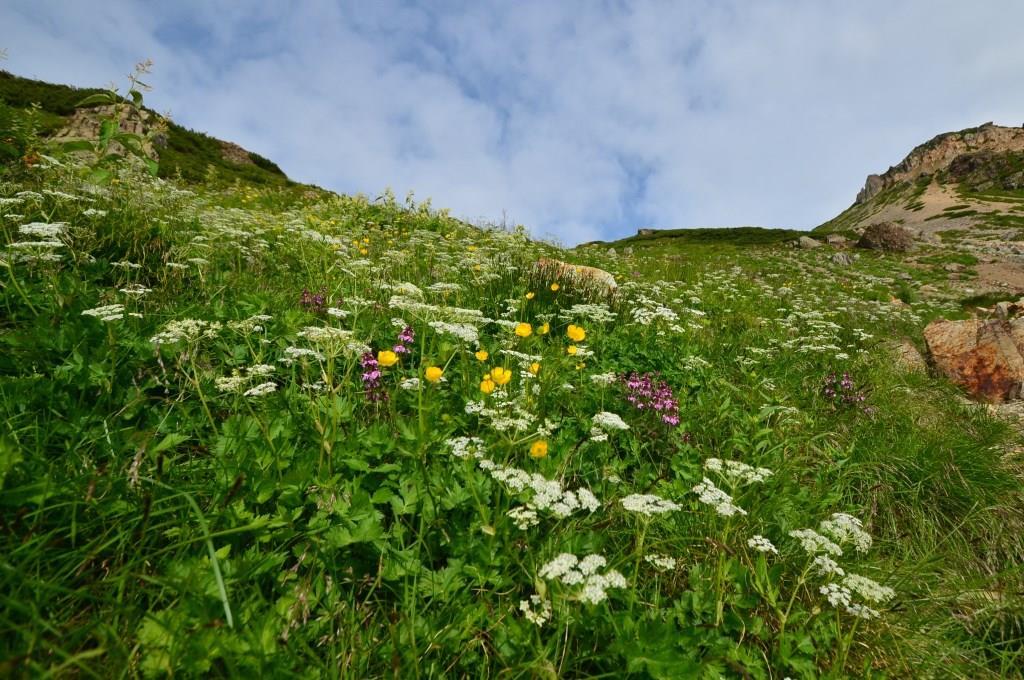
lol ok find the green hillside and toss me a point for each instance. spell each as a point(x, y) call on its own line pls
point(186, 153)
point(251, 430)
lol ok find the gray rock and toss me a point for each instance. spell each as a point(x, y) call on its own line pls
point(806, 242)
point(887, 237)
point(842, 259)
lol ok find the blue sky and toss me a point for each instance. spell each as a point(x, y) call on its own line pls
point(581, 120)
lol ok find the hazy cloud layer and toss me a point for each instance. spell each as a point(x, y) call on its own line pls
point(581, 120)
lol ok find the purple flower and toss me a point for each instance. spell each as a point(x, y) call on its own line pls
point(646, 392)
point(372, 378)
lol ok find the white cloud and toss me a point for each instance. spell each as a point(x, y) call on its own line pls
point(578, 119)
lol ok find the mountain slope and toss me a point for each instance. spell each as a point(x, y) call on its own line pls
point(970, 179)
point(185, 153)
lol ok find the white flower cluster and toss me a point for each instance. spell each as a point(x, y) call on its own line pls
point(603, 379)
point(136, 290)
point(813, 542)
point(572, 571)
point(463, 331)
point(597, 313)
point(261, 389)
point(45, 230)
point(649, 504)
point(546, 495)
point(737, 472)
point(186, 330)
point(292, 354)
point(106, 313)
point(836, 594)
point(869, 589)
point(845, 528)
point(603, 423)
point(536, 610)
point(826, 566)
point(762, 544)
point(660, 562)
point(709, 494)
point(253, 324)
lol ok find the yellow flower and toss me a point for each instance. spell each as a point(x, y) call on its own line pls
point(433, 373)
point(500, 375)
point(539, 449)
point(535, 368)
point(576, 333)
point(572, 349)
point(544, 328)
point(364, 251)
point(523, 330)
point(481, 355)
point(529, 296)
point(554, 287)
point(580, 366)
point(487, 386)
point(387, 358)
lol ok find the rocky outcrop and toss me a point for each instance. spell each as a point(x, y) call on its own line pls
point(84, 125)
point(646, 232)
point(886, 236)
point(843, 259)
point(940, 152)
point(807, 243)
point(983, 356)
point(235, 154)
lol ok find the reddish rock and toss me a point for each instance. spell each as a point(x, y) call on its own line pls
point(983, 356)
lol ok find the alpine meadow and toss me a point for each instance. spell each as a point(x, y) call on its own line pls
point(255, 428)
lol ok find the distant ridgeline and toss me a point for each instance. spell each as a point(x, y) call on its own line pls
point(709, 236)
point(183, 153)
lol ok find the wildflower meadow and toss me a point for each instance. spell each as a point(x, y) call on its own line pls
point(272, 431)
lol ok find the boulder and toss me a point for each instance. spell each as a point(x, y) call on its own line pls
point(887, 237)
point(907, 356)
point(835, 240)
point(806, 242)
point(843, 259)
point(981, 355)
point(592, 277)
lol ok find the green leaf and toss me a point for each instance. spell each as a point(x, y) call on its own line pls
point(152, 166)
point(98, 98)
point(108, 128)
point(136, 97)
point(168, 442)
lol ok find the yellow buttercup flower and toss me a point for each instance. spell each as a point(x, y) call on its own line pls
point(524, 330)
point(387, 358)
point(486, 385)
point(539, 449)
point(500, 375)
point(481, 355)
point(529, 296)
point(535, 368)
point(364, 251)
point(572, 349)
point(554, 287)
point(544, 328)
point(576, 333)
point(433, 373)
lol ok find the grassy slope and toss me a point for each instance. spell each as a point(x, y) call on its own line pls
point(153, 523)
